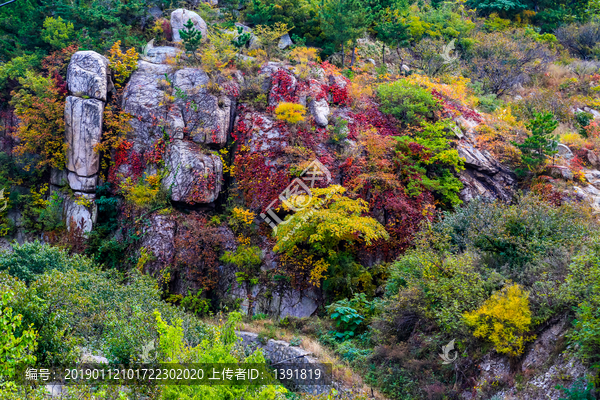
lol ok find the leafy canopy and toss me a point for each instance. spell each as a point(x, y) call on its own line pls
point(328, 219)
point(503, 319)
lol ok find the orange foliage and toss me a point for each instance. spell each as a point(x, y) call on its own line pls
point(40, 105)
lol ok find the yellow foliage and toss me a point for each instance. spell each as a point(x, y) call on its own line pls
point(360, 88)
point(453, 87)
point(505, 115)
point(317, 273)
point(259, 54)
point(219, 53)
point(302, 262)
point(290, 112)
point(303, 56)
point(246, 217)
point(269, 36)
point(573, 140)
point(83, 201)
point(123, 64)
point(243, 240)
point(503, 319)
point(142, 194)
point(145, 256)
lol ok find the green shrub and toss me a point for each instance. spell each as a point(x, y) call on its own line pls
point(31, 259)
point(218, 348)
point(72, 302)
point(409, 103)
point(580, 390)
point(446, 286)
point(521, 240)
point(347, 320)
point(14, 349)
point(433, 167)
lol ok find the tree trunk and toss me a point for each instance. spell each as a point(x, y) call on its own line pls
point(383, 55)
point(342, 55)
point(353, 55)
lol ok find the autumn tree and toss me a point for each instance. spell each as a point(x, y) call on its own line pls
point(328, 220)
point(504, 319)
point(40, 105)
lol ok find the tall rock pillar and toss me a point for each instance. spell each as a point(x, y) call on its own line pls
point(87, 83)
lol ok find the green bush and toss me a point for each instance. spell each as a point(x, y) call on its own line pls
point(433, 167)
point(409, 103)
point(541, 144)
point(31, 259)
point(73, 303)
point(520, 240)
point(580, 390)
point(219, 348)
point(352, 316)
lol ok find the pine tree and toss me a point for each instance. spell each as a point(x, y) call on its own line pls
point(345, 20)
point(191, 37)
point(391, 28)
point(541, 143)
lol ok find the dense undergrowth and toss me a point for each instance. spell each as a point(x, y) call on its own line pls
point(403, 264)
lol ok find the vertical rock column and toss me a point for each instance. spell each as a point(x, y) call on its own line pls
point(87, 82)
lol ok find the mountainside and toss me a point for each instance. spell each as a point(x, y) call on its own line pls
point(414, 200)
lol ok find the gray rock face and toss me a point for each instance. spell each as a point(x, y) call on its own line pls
point(205, 117)
point(285, 42)
point(82, 184)
point(180, 17)
point(209, 119)
point(87, 75)
point(58, 177)
point(320, 111)
point(561, 172)
point(564, 151)
point(484, 176)
point(83, 129)
point(84, 216)
point(159, 55)
point(158, 239)
point(193, 177)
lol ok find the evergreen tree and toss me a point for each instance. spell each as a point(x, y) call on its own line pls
point(541, 143)
point(191, 37)
point(345, 20)
point(390, 26)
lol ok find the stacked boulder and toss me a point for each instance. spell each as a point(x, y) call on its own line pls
point(88, 83)
point(197, 121)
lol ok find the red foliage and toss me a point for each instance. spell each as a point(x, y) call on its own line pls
point(127, 162)
point(339, 95)
point(166, 26)
point(197, 247)
point(372, 118)
point(282, 87)
point(257, 182)
point(547, 192)
point(60, 83)
point(157, 153)
point(454, 109)
point(58, 61)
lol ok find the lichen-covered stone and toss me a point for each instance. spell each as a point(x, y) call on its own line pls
point(194, 177)
point(83, 130)
point(87, 75)
point(180, 17)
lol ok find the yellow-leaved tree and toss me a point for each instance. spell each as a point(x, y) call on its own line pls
point(291, 113)
point(326, 218)
point(504, 319)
